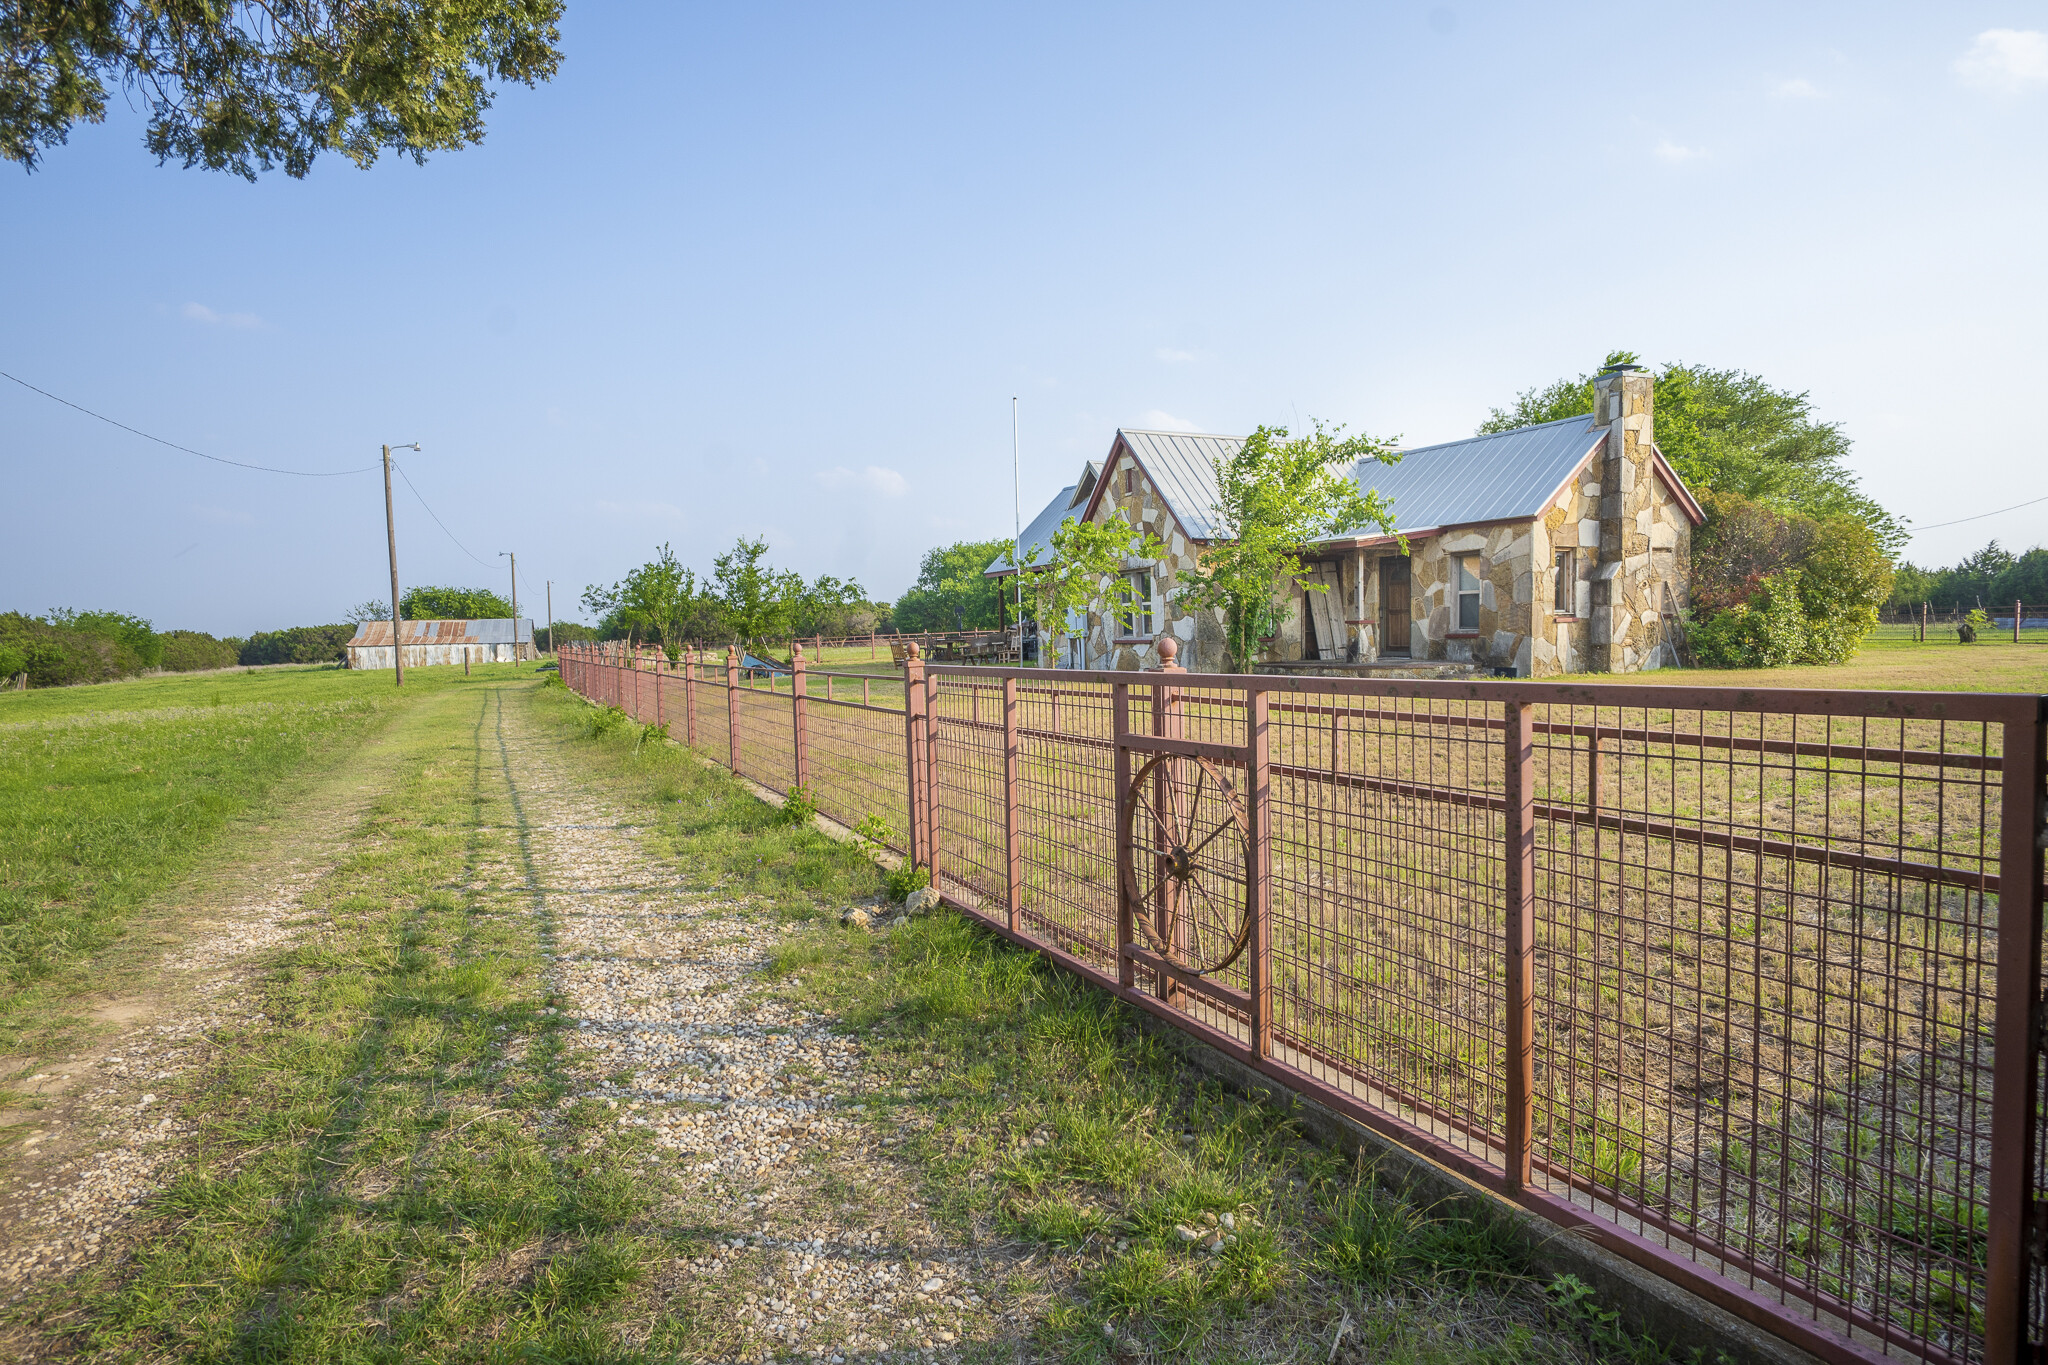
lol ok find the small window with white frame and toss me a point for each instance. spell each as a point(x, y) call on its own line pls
point(1135, 615)
point(1468, 592)
point(1565, 598)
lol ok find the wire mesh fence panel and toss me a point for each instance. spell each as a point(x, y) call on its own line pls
point(858, 765)
point(767, 734)
point(1066, 781)
point(1764, 999)
point(969, 804)
point(1387, 904)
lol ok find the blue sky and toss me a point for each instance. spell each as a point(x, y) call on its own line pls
point(778, 270)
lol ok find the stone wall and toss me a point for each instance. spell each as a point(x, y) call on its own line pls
point(1200, 633)
point(1645, 536)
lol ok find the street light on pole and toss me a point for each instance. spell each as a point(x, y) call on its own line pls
point(507, 554)
point(391, 541)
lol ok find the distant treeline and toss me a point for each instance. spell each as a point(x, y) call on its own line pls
point(1992, 577)
point(67, 647)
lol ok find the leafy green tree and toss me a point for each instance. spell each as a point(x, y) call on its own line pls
point(135, 643)
point(950, 592)
point(1993, 577)
point(450, 604)
point(240, 86)
point(372, 610)
point(1275, 497)
point(758, 599)
point(831, 606)
point(1733, 432)
point(1772, 588)
point(661, 600)
point(1085, 572)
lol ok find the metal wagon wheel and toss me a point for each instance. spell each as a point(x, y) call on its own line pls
point(1185, 840)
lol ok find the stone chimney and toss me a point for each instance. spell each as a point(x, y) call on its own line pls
point(1624, 399)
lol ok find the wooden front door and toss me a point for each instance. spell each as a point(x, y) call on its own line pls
point(1394, 605)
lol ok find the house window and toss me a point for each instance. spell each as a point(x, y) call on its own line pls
point(1565, 597)
point(1130, 481)
point(1136, 616)
point(1468, 592)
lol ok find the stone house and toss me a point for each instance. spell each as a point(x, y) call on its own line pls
point(1557, 548)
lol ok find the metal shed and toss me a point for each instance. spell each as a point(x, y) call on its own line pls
point(443, 642)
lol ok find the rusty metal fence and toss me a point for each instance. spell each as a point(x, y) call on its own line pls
point(1744, 985)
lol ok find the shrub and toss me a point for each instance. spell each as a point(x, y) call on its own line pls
point(872, 835)
point(799, 807)
point(187, 651)
point(298, 645)
point(1977, 620)
point(905, 879)
point(56, 656)
point(600, 721)
point(1769, 631)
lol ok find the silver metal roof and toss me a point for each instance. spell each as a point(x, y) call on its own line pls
point(1038, 535)
point(1182, 466)
point(1500, 477)
point(498, 632)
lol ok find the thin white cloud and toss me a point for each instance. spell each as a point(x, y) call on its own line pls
point(2008, 60)
point(1173, 357)
point(1155, 420)
point(199, 312)
point(1798, 88)
point(1676, 153)
point(874, 479)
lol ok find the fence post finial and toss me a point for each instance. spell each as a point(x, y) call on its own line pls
point(1169, 651)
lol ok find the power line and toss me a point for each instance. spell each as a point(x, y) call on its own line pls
point(430, 512)
point(239, 464)
point(1980, 516)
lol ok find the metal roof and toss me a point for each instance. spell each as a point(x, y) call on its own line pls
point(498, 632)
point(1038, 535)
point(1504, 476)
point(1182, 466)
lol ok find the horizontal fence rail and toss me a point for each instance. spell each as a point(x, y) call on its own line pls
point(1744, 984)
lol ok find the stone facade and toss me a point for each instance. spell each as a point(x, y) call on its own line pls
point(1627, 528)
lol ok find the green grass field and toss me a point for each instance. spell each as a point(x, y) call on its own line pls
point(110, 792)
point(1993, 664)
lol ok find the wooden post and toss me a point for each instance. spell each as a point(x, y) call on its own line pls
point(1258, 768)
point(935, 837)
point(2009, 1197)
point(732, 704)
point(799, 738)
point(1519, 863)
point(660, 661)
point(2016, 622)
point(913, 751)
point(1126, 909)
point(1013, 831)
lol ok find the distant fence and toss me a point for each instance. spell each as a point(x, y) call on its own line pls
point(2020, 622)
point(1743, 984)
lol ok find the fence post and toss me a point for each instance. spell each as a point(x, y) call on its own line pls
point(2016, 622)
point(1518, 856)
point(2009, 1200)
point(660, 663)
point(800, 736)
point(1258, 768)
point(690, 697)
point(913, 751)
point(1126, 910)
point(1013, 847)
point(1166, 723)
point(934, 843)
point(732, 704)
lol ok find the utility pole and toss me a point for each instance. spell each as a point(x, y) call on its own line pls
point(551, 616)
point(1017, 537)
point(507, 554)
point(391, 539)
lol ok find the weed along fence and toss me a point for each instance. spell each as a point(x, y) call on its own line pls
point(1745, 985)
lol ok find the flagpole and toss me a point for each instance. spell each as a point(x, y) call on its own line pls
point(1017, 535)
